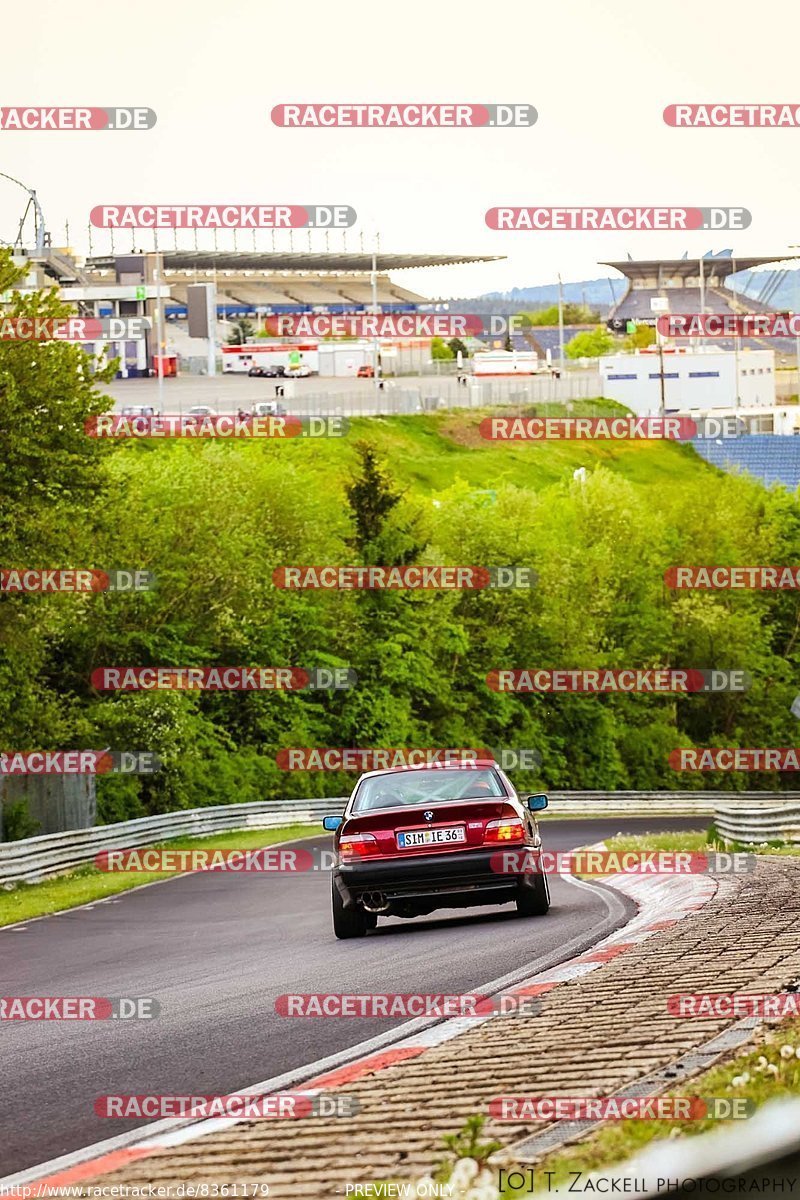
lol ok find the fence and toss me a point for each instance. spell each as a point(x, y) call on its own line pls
point(401, 396)
point(34, 858)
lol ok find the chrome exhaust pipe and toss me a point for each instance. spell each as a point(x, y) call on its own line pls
point(374, 902)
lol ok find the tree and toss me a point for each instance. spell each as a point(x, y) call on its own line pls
point(573, 314)
point(455, 345)
point(53, 488)
point(590, 344)
point(439, 350)
point(372, 496)
point(241, 331)
point(643, 335)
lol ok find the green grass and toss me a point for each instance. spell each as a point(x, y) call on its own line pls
point(702, 842)
point(707, 842)
point(755, 1081)
point(431, 451)
point(85, 884)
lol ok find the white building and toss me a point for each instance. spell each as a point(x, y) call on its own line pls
point(693, 379)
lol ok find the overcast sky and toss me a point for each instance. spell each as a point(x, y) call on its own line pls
point(599, 76)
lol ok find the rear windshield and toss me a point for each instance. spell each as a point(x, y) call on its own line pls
point(424, 787)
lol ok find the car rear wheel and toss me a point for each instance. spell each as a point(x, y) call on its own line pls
point(534, 901)
point(347, 922)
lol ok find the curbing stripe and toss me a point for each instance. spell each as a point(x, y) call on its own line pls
point(654, 901)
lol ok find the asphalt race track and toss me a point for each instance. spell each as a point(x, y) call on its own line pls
point(216, 950)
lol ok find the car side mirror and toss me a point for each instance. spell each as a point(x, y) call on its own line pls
point(331, 823)
point(536, 802)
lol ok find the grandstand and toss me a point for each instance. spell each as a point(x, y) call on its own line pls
point(253, 283)
point(693, 285)
point(769, 458)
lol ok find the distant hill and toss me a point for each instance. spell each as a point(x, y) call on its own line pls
point(594, 293)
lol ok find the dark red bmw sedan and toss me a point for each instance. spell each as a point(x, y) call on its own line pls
point(414, 839)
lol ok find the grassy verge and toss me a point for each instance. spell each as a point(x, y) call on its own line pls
point(22, 901)
point(429, 452)
point(689, 840)
point(770, 1070)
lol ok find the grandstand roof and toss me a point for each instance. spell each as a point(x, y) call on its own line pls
point(723, 265)
point(278, 260)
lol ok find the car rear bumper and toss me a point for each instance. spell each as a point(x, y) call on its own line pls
point(464, 877)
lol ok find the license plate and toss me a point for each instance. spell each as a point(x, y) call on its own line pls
point(431, 837)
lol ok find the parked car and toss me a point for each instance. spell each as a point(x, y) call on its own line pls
point(139, 410)
point(197, 413)
point(365, 372)
point(270, 372)
point(414, 839)
point(269, 408)
point(301, 371)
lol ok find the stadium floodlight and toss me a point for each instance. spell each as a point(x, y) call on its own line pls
point(38, 215)
point(796, 246)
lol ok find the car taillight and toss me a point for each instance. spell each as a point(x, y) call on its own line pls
point(357, 845)
point(507, 829)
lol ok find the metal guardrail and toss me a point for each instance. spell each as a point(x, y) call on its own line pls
point(760, 822)
point(33, 859)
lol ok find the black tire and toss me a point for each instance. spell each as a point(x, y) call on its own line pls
point(534, 901)
point(372, 920)
point(347, 922)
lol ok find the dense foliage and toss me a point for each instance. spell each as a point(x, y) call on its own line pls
point(213, 520)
